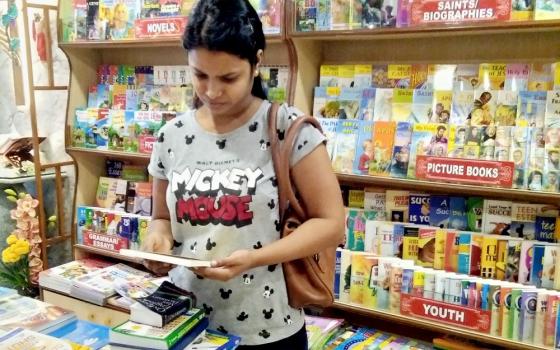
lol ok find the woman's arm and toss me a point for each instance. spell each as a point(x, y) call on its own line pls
point(159, 238)
point(318, 189)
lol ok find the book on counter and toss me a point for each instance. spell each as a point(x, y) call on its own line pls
point(85, 333)
point(212, 340)
point(23, 312)
point(60, 278)
point(98, 286)
point(166, 258)
point(26, 339)
point(140, 336)
point(163, 306)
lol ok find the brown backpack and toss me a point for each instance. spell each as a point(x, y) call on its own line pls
point(310, 280)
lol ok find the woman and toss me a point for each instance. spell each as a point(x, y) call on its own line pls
point(215, 196)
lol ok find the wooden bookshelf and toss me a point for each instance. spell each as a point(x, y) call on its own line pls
point(450, 188)
point(407, 321)
point(82, 251)
point(88, 152)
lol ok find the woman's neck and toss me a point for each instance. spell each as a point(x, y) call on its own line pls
point(224, 123)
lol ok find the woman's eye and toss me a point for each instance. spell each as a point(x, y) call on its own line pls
point(200, 76)
point(228, 80)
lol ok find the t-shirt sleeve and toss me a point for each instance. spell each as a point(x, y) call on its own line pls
point(156, 167)
point(308, 139)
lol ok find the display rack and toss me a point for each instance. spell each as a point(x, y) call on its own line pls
point(304, 53)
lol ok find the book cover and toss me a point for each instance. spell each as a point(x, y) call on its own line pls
point(386, 239)
point(383, 108)
point(85, 333)
point(441, 106)
point(525, 261)
point(397, 205)
point(552, 110)
point(426, 246)
point(345, 148)
point(401, 149)
point(483, 109)
point(528, 305)
point(540, 313)
point(461, 106)
point(350, 99)
point(381, 282)
point(531, 108)
point(399, 75)
point(535, 275)
point(451, 251)
point(506, 108)
point(356, 199)
point(506, 311)
point(18, 311)
point(111, 193)
point(355, 233)
point(421, 109)
point(345, 275)
point(466, 77)
point(364, 148)
point(426, 140)
point(367, 104)
point(475, 206)
point(550, 319)
point(501, 259)
point(379, 76)
point(517, 77)
point(541, 77)
point(513, 260)
point(492, 76)
point(457, 213)
point(215, 340)
point(489, 257)
point(362, 76)
point(360, 291)
point(496, 217)
point(383, 138)
point(374, 200)
point(439, 211)
point(410, 248)
point(475, 254)
point(329, 127)
point(325, 102)
point(439, 250)
point(419, 209)
point(328, 76)
point(545, 228)
point(402, 105)
point(546, 10)
point(346, 75)
point(20, 338)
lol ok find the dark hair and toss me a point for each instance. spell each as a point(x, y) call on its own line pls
point(231, 26)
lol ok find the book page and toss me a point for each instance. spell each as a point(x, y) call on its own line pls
point(170, 259)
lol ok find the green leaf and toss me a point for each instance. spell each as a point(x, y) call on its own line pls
point(11, 199)
point(52, 218)
point(10, 192)
point(5, 20)
point(21, 195)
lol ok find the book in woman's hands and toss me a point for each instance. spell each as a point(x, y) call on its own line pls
point(166, 258)
point(163, 306)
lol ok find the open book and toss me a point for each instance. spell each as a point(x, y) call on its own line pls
point(170, 259)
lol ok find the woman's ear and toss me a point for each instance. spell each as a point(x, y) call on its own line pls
point(260, 57)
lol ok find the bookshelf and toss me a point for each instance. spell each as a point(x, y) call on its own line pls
point(441, 328)
point(523, 41)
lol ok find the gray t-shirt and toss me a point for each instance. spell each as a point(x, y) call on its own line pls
point(222, 197)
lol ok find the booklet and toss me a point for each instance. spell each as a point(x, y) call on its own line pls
point(170, 259)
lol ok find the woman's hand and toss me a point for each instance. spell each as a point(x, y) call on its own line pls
point(158, 240)
point(228, 268)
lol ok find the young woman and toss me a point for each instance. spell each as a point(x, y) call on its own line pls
point(215, 196)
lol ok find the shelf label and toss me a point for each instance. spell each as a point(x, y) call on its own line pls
point(468, 171)
point(107, 242)
point(146, 144)
point(456, 315)
point(425, 12)
point(160, 27)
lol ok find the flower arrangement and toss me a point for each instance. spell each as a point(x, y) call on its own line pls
point(21, 259)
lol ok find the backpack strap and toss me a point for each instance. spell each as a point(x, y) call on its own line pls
point(281, 154)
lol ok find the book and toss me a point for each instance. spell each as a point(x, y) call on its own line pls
point(397, 203)
point(170, 259)
point(361, 291)
point(212, 340)
point(383, 138)
point(111, 194)
point(364, 149)
point(457, 213)
point(32, 314)
point(496, 217)
point(419, 209)
point(402, 105)
point(531, 108)
point(163, 306)
point(401, 149)
point(143, 336)
point(475, 211)
point(20, 338)
point(60, 278)
point(345, 147)
point(439, 211)
point(83, 332)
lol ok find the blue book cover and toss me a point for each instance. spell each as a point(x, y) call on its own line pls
point(464, 256)
point(367, 104)
point(531, 108)
point(329, 126)
point(84, 333)
point(345, 148)
point(537, 265)
point(439, 211)
point(336, 289)
point(401, 150)
point(419, 209)
point(81, 219)
point(364, 148)
point(421, 106)
point(398, 234)
point(457, 213)
point(324, 15)
point(544, 229)
point(350, 99)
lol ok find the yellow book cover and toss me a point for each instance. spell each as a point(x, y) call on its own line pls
point(441, 106)
point(383, 138)
point(520, 12)
point(360, 291)
point(439, 253)
point(356, 198)
point(556, 68)
point(541, 77)
point(398, 75)
point(346, 75)
point(488, 257)
point(419, 76)
point(410, 248)
point(328, 75)
point(402, 105)
point(501, 259)
point(426, 246)
point(492, 75)
point(451, 251)
point(396, 205)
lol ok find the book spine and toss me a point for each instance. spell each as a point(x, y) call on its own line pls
point(170, 317)
point(181, 331)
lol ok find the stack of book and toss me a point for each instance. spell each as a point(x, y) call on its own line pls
point(60, 278)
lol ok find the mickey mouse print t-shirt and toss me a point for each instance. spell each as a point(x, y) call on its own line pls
point(222, 197)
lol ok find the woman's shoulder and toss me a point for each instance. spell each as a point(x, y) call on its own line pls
point(180, 121)
point(287, 114)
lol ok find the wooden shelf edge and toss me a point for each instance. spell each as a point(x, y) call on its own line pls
point(107, 153)
point(106, 253)
point(431, 31)
point(450, 188)
point(107, 306)
point(146, 43)
point(437, 327)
